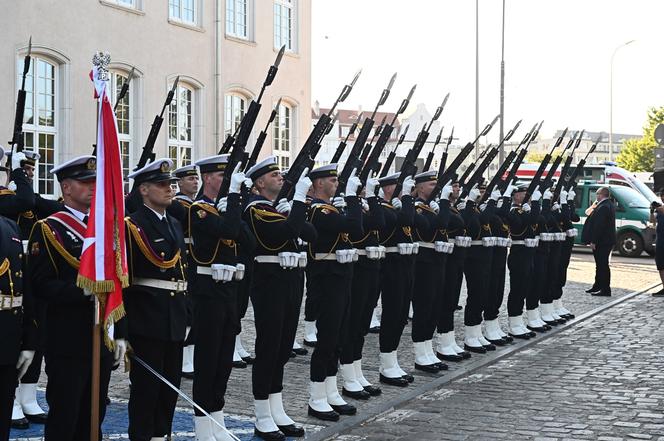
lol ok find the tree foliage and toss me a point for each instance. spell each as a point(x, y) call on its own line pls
point(535, 156)
point(638, 154)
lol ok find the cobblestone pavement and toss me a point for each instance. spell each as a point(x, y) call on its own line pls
point(602, 379)
point(628, 275)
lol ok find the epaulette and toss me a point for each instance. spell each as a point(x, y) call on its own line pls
point(325, 208)
point(202, 208)
point(267, 215)
point(141, 241)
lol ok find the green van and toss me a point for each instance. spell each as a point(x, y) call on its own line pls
point(633, 231)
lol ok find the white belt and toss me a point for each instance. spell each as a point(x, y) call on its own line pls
point(325, 256)
point(428, 245)
point(560, 237)
point(547, 237)
point(222, 273)
point(529, 243)
point(170, 285)
point(406, 249)
point(341, 256)
point(267, 259)
point(10, 302)
point(287, 260)
point(188, 240)
point(372, 253)
point(572, 232)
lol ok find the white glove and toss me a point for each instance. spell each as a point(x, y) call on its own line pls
point(381, 193)
point(461, 206)
point(237, 179)
point(499, 203)
point(396, 203)
point(555, 206)
point(563, 197)
point(537, 195)
point(339, 202)
point(17, 157)
point(509, 190)
point(12, 186)
point(120, 351)
point(571, 194)
point(547, 195)
point(446, 191)
point(365, 205)
point(473, 194)
point(302, 186)
point(407, 185)
point(87, 292)
point(526, 207)
point(283, 206)
point(222, 204)
point(23, 363)
point(370, 187)
point(495, 194)
point(483, 206)
point(353, 184)
point(434, 206)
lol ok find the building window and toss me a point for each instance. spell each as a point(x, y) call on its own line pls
point(180, 139)
point(282, 135)
point(235, 106)
point(236, 18)
point(39, 118)
point(182, 10)
point(284, 24)
point(123, 118)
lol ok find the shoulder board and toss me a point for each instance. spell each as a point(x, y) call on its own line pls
point(266, 215)
point(387, 204)
point(6, 192)
point(325, 208)
point(202, 208)
point(70, 222)
point(425, 207)
point(256, 202)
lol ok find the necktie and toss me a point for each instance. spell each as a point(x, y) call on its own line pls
point(85, 220)
point(168, 228)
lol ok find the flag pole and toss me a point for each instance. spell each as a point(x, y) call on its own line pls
point(96, 350)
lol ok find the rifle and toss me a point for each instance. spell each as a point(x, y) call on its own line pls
point(546, 183)
point(441, 169)
point(372, 164)
point(354, 160)
point(251, 161)
point(368, 146)
point(342, 144)
point(427, 163)
point(307, 154)
point(566, 166)
point(540, 170)
point(530, 136)
point(570, 180)
point(390, 157)
point(503, 167)
point(17, 142)
point(408, 168)
point(472, 165)
point(246, 126)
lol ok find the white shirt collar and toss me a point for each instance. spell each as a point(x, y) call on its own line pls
point(159, 216)
point(79, 215)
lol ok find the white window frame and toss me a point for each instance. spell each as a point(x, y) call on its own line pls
point(278, 37)
point(43, 173)
point(283, 155)
point(181, 146)
point(179, 4)
point(124, 137)
point(231, 25)
point(231, 123)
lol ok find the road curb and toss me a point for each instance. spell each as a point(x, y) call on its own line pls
point(369, 413)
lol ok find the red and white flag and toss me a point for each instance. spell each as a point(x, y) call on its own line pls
point(103, 267)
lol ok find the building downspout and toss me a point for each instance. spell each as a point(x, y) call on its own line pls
point(217, 76)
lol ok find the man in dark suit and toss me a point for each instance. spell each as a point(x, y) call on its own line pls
point(156, 302)
point(600, 233)
point(54, 250)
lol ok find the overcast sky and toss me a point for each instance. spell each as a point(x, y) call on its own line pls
point(557, 59)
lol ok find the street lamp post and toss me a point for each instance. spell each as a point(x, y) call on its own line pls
point(611, 98)
point(501, 153)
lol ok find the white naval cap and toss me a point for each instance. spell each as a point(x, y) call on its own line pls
point(81, 168)
point(212, 163)
point(426, 176)
point(158, 170)
point(266, 166)
point(187, 170)
point(389, 179)
point(324, 171)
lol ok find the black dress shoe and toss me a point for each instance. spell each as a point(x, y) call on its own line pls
point(489, 347)
point(40, 418)
point(300, 351)
point(325, 416)
point(465, 354)
point(188, 375)
point(345, 409)
point(20, 424)
point(249, 359)
point(292, 430)
point(441, 366)
point(409, 378)
point(659, 293)
point(357, 395)
point(508, 339)
point(539, 328)
point(374, 391)
point(525, 336)
point(568, 317)
point(601, 294)
point(398, 381)
point(430, 368)
point(311, 344)
point(592, 290)
point(107, 400)
point(374, 330)
point(551, 322)
point(561, 320)
point(239, 364)
point(475, 349)
point(453, 358)
point(292, 354)
point(501, 342)
point(269, 436)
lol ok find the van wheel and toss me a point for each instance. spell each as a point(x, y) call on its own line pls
point(630, 244)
